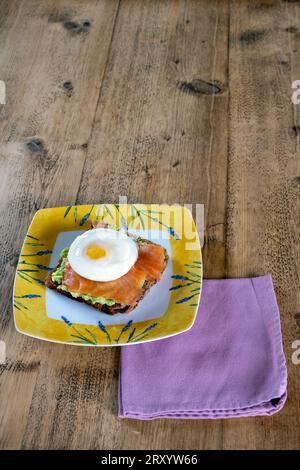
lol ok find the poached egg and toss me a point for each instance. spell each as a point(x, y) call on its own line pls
point(102, 254)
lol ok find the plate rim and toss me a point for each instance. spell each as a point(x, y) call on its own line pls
point(145, 340)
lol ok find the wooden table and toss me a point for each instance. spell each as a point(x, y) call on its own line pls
point(162, 101)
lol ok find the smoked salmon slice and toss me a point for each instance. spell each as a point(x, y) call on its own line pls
point(128, 288)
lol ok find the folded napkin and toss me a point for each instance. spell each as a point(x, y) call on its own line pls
point(229, 364)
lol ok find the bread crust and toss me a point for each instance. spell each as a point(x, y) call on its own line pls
point(109, 309)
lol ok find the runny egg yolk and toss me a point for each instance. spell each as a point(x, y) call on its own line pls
point(95, 252)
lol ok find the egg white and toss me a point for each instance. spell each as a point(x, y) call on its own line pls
point(121, 253)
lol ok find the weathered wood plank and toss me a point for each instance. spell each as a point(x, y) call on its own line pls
point(263, 196)
point(160, 135)
point(160, 129)
point(155, 87)
point(43, 131)
point(143, 146)
point(52, 60)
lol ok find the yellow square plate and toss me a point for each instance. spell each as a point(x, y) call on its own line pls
point(169, 308)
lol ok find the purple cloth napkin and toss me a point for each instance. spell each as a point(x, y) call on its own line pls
point(229, 364)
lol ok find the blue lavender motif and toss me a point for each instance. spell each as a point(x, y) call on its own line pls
point(123, 222)
point(40, 253)
point(185, 299)
point(179, 286)
point(80, 338)
point(142, 335)
point(173, 233)
point(66, 321)
point(27, 296)
point(191, 279)
point(75, 214)
point(179, 276)
point(86, 217)
point(20, 305)
point(39, 266)
point(131, 335)
point(26, 269)
point(27, 277)
point(124, 329)
point(104, 210)
point(151, 214)
point(90, 338)
point(136, 213)
point(102, 328)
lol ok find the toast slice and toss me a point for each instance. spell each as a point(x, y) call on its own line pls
point(110, 306)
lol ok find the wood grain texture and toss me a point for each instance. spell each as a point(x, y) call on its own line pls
point(44, 133)
point(161, 101)
point(263, 197)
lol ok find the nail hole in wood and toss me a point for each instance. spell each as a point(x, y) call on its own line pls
point(35, 146)
point(68, 87)
point(252, 36)
point(200, 87)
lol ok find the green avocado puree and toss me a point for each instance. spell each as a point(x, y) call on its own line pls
point(57, 277)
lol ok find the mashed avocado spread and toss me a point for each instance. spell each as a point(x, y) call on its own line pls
point(57, 277)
